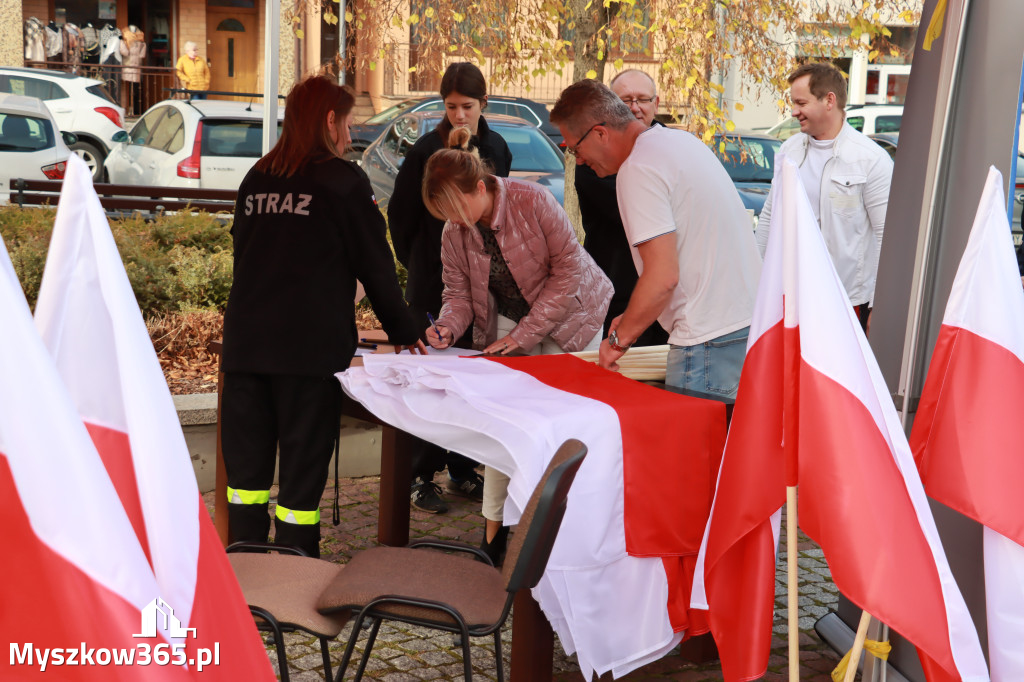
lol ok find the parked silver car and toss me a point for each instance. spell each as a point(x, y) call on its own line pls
point(534, 156)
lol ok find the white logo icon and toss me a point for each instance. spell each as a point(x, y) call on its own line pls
point(158, 611)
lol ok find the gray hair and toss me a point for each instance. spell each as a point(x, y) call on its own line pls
point(189, 43)
point(589, 102)
point(620, 74)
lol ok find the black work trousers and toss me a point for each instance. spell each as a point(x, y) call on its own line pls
point(264, 413)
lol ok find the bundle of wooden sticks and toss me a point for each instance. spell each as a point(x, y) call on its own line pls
point(643, 363)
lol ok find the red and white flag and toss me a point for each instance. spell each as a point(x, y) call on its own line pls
point(814, 410)
point(73, 580)
point(965, 438)
point(616, 587)
point(91, 323)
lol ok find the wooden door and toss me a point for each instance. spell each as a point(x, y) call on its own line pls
point(233, 38)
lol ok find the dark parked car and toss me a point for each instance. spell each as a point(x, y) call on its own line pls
point(534, 156)
point(363, 134)
point(749, 158)
point(889, 142)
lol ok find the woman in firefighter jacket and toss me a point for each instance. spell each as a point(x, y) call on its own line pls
point(306, 227)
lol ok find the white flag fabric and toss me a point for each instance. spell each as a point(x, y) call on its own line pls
point(73, 576)
point(606, 606)
point(965, 436)
point(90, 321)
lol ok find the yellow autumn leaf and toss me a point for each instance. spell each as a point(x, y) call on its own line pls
point(618, 64)
point(429, 13)
point(413, 19)
point(739, 106)
point(690, 80)
point(300, 34)
point(373, 66)
point(708, 135)
point(348, 16)
point(591, 74)
point(730, 126)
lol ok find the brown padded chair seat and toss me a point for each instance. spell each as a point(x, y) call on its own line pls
point(288, 587)
point(474, 589)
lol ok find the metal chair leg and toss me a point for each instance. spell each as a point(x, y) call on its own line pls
point(498, 658)
point(467, 660)
point(349, 648)
point(369, 647)
point(327, 658)
point(275, 628)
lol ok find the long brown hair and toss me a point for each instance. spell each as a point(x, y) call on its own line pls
point(457, 169)
point(466, 79)
point(304, 135)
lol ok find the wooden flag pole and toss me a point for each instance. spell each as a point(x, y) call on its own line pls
point(793, 570)
point(858, 646)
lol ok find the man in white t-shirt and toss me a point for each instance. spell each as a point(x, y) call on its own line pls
point(688, 233)
point(847, 177)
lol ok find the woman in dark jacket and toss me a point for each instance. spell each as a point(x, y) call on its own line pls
point(416, 236)
point(306, 227)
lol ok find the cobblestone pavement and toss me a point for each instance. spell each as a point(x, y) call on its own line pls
point(406, 653)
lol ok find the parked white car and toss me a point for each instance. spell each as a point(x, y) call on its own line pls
point(79, 105)
point(31, 146)
point(869, 119)
point(199, 143)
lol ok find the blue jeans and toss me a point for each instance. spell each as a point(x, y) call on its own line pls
point(712, 367)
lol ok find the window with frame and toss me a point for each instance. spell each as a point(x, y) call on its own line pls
point(143, 130)
point(25, 133)
point(169, 130)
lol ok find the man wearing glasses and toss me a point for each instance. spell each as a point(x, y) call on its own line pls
point(688, 232)
point(599, 210)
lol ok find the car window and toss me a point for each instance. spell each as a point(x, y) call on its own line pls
point(524, 113)
point(436, 105)
point(786, 129)
point(531, 150)
point(100, 92)
point(29, 87)
point(500, 108)
point(25, 133)
point(857, 122)
point(166, 130)
point(143, 130)
point(888, 124)
point(391, 113)
point(747, 159)
point(234, 138)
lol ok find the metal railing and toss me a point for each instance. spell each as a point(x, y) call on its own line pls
point(151, 88)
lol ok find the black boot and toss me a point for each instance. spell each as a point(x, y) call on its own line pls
point(248, 522)
point(495, 549)
point(304, 536)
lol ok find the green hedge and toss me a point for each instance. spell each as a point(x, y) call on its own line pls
point(175, 263)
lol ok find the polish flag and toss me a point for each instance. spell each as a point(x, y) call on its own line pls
point(91, 324)
point(814, 410)
point(965, 437)
point(616, 587)
point(73, 580)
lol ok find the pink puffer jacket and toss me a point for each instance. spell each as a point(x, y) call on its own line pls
point(567, 292)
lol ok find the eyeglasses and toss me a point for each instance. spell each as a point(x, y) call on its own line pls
point(637, 100)
point(572, 150)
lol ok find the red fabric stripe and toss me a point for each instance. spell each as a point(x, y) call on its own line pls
point(855, 504)
point(740, 557)
point(116, 452)
point(672, 447)
point(50, 603)
point(220, 615)
point(790, 402)
point(966, 439)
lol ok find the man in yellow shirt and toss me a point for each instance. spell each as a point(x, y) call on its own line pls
point(193, 72)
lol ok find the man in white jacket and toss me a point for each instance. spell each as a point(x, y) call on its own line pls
point(847, 177)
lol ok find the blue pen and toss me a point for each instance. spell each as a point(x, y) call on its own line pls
point(434, 325)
